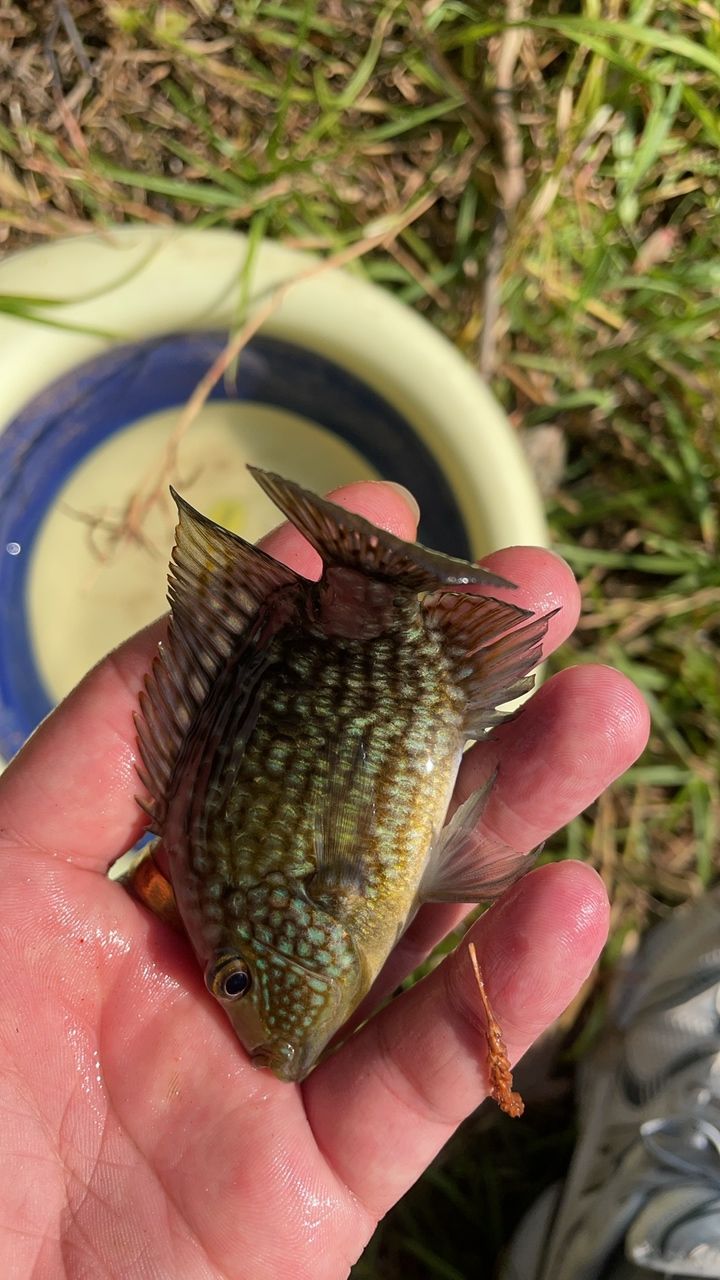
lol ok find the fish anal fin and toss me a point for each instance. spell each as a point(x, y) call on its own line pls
point(345, 539)
point(494, 646)
point(217, 585)
point(467, 864)
point(502, 673)
point(472, 621)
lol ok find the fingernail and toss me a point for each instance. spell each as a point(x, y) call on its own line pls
point(406, 495)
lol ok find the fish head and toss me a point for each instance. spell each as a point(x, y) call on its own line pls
point(288, 975)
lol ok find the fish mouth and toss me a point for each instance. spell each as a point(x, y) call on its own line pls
point(287, 1063)
point(293, 1062)
point(278, 1058)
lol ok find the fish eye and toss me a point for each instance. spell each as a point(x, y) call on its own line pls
point(229, 980)
point(235, 984)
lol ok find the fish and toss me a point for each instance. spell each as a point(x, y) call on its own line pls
point(299, 744)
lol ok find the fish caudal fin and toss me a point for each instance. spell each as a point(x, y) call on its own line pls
point(467, 864)
point(217, 584)
point(494, 645)
point(347, 540)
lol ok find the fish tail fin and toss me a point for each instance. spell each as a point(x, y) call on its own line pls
point(495, 646)
point(346, 540)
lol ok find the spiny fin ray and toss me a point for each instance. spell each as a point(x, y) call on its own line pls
point(494, 647)
point(216, 586)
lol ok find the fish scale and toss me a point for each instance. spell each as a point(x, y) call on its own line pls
point(300, 742)
point(361, 700)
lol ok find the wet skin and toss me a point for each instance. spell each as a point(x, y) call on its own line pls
point(136, 1139)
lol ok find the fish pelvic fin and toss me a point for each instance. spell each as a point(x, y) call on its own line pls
point(346, 540)
point(468, 864)
point(494, 647)
point(217, 584)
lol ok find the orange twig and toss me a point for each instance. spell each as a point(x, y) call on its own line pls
point(499, 1072)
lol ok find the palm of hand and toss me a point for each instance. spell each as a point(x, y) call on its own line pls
point(149, 1145)
point(135, 1139)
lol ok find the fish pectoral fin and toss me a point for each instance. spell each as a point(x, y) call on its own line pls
point(146, 883)
point(497, 646)
point(348, 540)
point(335, 888)
point(470, 865)
point(344, 820)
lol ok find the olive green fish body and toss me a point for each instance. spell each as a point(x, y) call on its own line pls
point(300, 774)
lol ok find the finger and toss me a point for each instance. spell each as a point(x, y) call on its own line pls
point(408, 1078)
point(583, 728)
point(70, 791)
point(580, 732)
point(545, 584)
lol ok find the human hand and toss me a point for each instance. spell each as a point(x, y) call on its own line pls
point(136, 1140)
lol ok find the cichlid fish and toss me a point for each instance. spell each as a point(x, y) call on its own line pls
point(300, 743)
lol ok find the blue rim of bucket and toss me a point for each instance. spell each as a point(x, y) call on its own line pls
point(72, 416)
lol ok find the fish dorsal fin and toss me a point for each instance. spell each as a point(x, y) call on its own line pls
point(345, 539)
point(494, 646)
point(467, 864)
point(216, 585)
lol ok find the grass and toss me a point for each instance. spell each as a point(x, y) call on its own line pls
point(583, 210)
